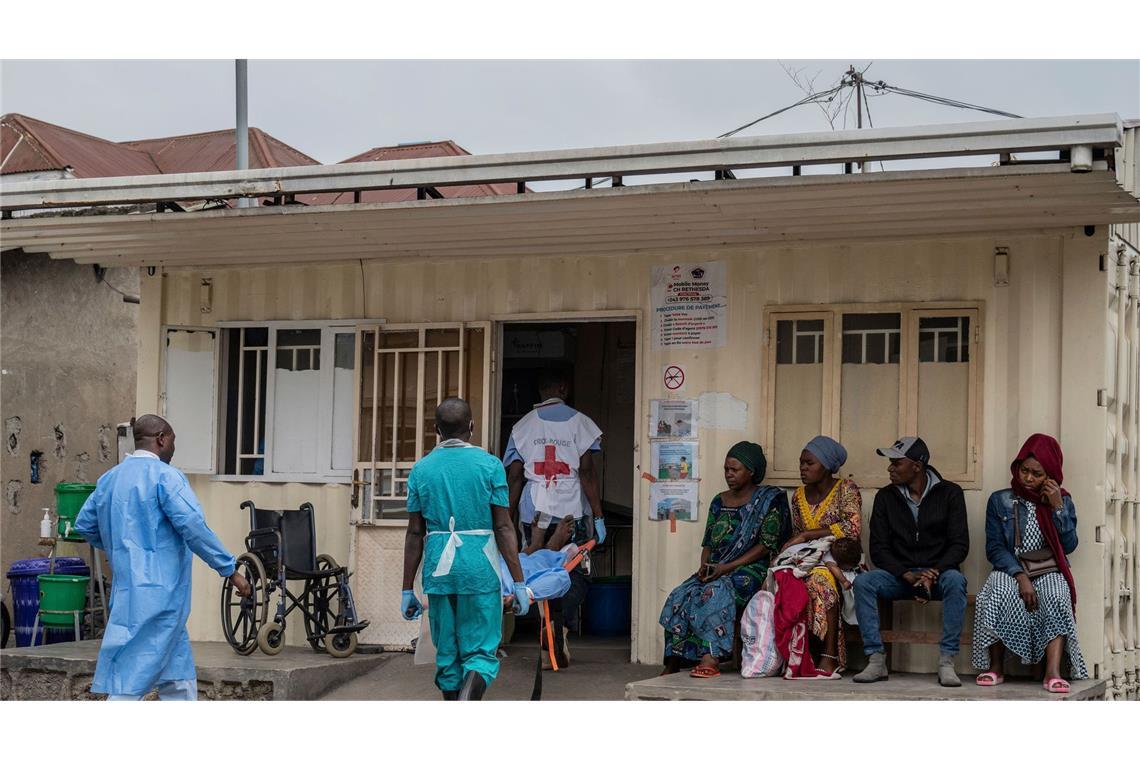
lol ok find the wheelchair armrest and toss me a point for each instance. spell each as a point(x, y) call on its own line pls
point(250, 539)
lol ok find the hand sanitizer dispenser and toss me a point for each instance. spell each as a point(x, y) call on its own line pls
point(45, 524)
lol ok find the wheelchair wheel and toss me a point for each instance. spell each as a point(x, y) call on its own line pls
point(271, 638)
point(243, 616)
point(341, 645)
point(322, 604)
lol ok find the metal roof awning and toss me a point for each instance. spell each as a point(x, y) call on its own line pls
point(1008, 198)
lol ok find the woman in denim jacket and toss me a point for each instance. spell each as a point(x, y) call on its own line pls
point(1031, 618)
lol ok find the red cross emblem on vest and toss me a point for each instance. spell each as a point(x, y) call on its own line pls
point(550, 468)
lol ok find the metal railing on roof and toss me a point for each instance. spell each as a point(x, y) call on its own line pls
point(1079, 139)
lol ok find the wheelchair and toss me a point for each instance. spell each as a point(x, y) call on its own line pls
point(280, 547)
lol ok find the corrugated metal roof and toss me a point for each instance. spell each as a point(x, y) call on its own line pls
point(217, 151)
point(32, 145)
point(399, 152)
point(45, 146)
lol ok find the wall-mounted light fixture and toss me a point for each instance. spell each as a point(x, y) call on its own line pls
point(1001, 267)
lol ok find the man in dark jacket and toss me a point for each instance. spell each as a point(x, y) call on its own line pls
point(919, 537)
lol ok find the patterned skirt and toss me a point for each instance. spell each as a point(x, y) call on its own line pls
point(1000, 615)
point(824, 596)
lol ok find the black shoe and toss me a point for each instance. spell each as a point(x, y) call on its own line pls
point(450, 696)
point(473, 687)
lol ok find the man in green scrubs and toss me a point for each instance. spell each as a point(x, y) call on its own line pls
point(458, 524)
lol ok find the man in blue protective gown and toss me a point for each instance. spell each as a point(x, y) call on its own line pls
point(144, 514)
point(459, 524)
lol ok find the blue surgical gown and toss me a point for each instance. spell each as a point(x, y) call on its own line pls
point(144, 514)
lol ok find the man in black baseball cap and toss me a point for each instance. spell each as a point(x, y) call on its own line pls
point(919, 537)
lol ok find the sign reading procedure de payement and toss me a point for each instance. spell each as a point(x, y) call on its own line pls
point(690, 306)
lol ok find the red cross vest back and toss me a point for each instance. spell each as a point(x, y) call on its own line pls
point(551, 453)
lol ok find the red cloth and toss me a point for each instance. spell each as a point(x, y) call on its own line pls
point(1046, 450)
point(790, 618)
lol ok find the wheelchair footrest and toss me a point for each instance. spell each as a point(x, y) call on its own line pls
point(358, 626)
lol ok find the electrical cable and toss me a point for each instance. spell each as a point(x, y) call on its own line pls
point(814, 97)
point(939, 100)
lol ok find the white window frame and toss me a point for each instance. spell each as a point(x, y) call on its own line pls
point(909, 315)
point(329, 330)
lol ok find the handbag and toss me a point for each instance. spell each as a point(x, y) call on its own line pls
point(1037, 562)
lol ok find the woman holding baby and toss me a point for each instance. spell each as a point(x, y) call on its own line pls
point(826, 505)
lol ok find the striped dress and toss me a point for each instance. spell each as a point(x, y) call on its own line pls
point(1000, 613)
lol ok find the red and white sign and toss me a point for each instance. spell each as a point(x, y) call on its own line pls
point(673, 377)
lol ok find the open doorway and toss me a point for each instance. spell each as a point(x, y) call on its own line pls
point(599, 360)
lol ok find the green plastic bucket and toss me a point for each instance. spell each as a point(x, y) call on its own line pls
point(69, 499)
point(61, 594)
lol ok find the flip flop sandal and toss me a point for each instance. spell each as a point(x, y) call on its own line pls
point(704, 671)
point(989, 678)
point(1057, 686)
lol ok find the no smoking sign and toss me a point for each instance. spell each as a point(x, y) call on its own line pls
point(673, 377)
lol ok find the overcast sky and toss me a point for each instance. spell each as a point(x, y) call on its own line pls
point(335, 109)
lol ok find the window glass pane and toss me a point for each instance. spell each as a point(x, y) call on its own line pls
point(409, 388)
point(473, 382)
point(256, 336)
point(402, 339)
point(944, 339)
point(367, 400)
point(871, 338)
point(432, 397)
point(443, 338)
point(296, 402)
point(344, 353)
point(798, 391)
point(784, 342)
point(943, 391)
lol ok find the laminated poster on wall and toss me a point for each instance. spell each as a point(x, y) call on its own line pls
point(674, 460)
point(674, 499)
point(673, 418)
point(690, 306)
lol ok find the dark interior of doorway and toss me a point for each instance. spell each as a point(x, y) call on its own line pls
point(600, 359)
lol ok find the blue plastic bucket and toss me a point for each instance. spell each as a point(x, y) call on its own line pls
point(608, 606)
point(24, 575)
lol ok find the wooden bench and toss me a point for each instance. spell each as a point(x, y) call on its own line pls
point(892, 636)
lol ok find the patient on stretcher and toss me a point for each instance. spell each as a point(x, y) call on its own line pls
point(543, 562)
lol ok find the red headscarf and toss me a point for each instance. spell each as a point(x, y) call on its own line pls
point(1047, 451)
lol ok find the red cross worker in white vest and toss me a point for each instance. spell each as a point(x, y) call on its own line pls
point(553, 475)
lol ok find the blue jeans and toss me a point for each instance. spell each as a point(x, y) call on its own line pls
point(879, 584)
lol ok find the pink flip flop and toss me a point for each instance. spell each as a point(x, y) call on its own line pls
point(1057, 686)
point(989, 678)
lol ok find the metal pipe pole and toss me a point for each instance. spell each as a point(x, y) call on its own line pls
point(241, 80)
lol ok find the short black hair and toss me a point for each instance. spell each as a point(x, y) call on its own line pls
point(846, 551)
point(453, 417)
point(149, 426)
point(552, 377)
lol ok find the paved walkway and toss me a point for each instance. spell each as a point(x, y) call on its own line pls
point(599, 669)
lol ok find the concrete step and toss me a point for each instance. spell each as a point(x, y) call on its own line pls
point(64, 672)
point(901, 686)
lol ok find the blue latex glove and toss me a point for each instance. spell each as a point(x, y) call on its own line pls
point(600, 529)
point(522, 598)
point(410, 607)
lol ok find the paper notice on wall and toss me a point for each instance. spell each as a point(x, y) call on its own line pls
point(671, 500)
point(722, 411)
point(674, 460)
point(690, 306)
point(672, 418)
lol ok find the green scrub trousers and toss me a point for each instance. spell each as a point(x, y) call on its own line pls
point(466, 630)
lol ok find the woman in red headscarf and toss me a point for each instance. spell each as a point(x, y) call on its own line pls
point(1027, 603)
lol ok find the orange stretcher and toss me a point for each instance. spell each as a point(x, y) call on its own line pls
point(545, 626)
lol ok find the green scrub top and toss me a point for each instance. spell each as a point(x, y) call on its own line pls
point(460, 482)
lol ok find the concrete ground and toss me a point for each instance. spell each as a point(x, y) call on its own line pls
point(65, 671)
point(599, 669)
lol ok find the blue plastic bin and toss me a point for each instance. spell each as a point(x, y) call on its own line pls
point(608, 606)
point(25, 578)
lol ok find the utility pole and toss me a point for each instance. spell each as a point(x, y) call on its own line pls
point(241, 138)
point(857, 83)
